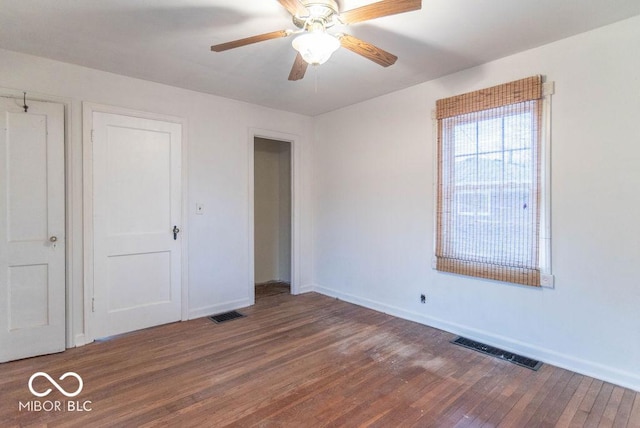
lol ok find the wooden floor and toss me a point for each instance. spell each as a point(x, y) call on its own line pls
point(269, 289)
point(306, 361)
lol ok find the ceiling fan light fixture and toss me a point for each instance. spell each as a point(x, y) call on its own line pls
point(316, 47)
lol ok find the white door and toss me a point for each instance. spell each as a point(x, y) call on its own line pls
point(136, 205)
point(32, 232)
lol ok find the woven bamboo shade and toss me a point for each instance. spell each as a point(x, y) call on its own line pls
point(488, 200)
point(496, 96)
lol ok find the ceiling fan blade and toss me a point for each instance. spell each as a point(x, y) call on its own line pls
point(294, 7)
point(298, 69)
point(249, 40)
point(378, 10)
point(367, 50)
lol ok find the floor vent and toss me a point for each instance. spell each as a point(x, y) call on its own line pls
point(499, 353)
point(227, 316)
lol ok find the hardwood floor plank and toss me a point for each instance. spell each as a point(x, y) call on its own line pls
point(465, 408)
point(624, 410)
point(533, 389)
point(307, 360)
point(501, 401)
point(572, 407)
point(536, 400)
point(610, 411)
point(472, 374)
point(597, 410)
point(634, 417)
point(554, 408)
point(550, 401)
point(586, 404)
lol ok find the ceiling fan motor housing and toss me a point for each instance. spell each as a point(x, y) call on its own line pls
point(323, 11)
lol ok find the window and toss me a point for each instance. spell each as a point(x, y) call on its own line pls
point(489, 183)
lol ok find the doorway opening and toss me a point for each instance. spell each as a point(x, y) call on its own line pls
point(272, 217)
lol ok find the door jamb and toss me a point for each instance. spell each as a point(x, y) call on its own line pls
point(88, 109)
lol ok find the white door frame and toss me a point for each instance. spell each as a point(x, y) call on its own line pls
point(296, 189)
point(69, 200)
point(87, 175)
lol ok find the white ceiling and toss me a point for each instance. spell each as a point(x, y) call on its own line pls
point(168, 41)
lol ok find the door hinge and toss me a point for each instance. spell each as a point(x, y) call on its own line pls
point(93, 304)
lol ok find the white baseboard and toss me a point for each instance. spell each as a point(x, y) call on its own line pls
point(79, 340)
point(205, 311)
point(548, 356)
point(307, 288)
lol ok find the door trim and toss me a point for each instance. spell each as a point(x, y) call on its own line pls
point(296, 198)
point(88, 109)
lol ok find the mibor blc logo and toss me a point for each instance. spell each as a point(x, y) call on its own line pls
point(54, 383)
point(55, 406)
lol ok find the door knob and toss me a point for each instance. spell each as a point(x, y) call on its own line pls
point(53, 239)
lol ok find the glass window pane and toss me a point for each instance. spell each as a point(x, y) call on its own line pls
point(466, 170)
point(517, 131)
point(519, 166)
point(490, 168)
point(490, 135)
point(465, 138)
point(491, 208)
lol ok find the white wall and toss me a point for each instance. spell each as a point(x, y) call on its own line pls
point(374, 210)
point(218, 132)
point(272, 211)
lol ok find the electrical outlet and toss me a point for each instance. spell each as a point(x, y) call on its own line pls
point(423, 298)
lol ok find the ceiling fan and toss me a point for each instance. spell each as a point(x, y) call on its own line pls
point(314, 44)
